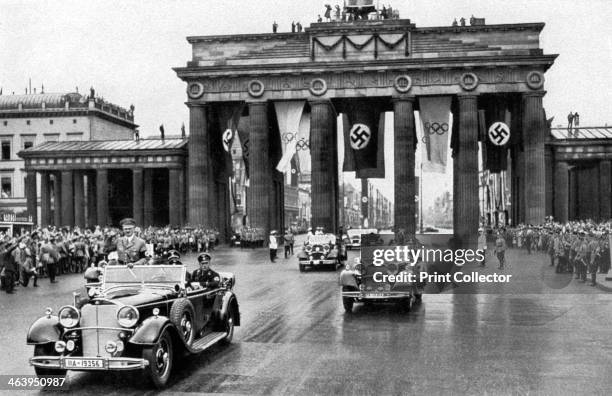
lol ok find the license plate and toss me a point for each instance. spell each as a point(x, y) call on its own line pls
point(84, 363)
point(376, 295)
point(316, 261)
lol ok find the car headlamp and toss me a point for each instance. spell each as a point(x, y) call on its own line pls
point(127, 316)
point(69, 316)
point(308, 248)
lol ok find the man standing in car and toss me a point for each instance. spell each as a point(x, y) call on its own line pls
point(130, 248)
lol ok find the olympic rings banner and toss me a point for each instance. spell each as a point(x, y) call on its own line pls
point(288, 115)
point(435, 118)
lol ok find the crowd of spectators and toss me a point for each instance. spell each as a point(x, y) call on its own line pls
point(578, 247)
point(72, 250)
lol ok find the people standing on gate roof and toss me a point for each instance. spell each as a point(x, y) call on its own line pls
point(576, 119)
point(328, 10)
point(500, 250)
point(299, 27)
point(274, 27)
point(462, 21)
point(292, 26)
point(570, 121)
point(130, 248)
point(273, 245)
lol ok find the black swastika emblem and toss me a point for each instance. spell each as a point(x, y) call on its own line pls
point(360, 136)
point(499, 133)
point(228, 135)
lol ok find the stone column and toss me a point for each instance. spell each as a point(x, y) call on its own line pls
point(201, 181)
point(181, 194)
point(465, 165)
point(322, 129)
point(148, 197)
point(561, 196)
point(92, 215)
point(403, 155)
point(549, 176)
point(57, 199)
point(79, 199)
point(534, 137)
point(605, 190)
point(137, 195)
point(45, 199)
point(67, 203)
point(173, 197)
point(31, 196)
point(259, 161)
point(102, 196)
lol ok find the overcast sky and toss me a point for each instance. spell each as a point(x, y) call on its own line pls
point(126, 49)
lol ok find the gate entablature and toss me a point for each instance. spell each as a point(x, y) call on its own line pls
point(371, 58)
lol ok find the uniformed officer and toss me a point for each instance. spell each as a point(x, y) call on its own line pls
point(204, 275)
point(582, 256)
point(130, 248)
point(174, 257)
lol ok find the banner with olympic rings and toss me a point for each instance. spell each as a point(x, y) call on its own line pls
point(435, 117)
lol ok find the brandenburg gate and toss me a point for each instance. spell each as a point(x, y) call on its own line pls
point(356, 67)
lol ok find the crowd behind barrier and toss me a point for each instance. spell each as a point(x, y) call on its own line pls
point(72, 250)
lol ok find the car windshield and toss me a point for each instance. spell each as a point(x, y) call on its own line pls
point(360, 231)
point(321, 239)
point(143, 274)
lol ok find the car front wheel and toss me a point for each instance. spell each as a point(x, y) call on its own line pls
point(228, 327)
point(46, 350)
point(159, 357)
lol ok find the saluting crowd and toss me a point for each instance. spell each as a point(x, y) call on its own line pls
point(49, 252)
point(578, 247)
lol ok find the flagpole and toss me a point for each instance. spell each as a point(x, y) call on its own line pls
point(421, 198)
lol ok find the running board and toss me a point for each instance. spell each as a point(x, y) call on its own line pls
point(207, 341)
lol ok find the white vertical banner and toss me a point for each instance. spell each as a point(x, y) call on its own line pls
point(435, 118)
point(288, 116)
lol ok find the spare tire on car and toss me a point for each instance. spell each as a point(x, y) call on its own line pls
point(182, 315)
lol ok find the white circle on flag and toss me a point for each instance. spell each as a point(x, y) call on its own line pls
point(227, 139)
point(364, 199)
point(360, 136)
point(499, 133)
point(293, 171)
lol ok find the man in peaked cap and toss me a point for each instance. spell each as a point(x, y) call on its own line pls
point(204, 275)
point(130, 248)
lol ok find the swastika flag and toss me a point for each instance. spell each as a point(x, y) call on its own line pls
point(363, 129)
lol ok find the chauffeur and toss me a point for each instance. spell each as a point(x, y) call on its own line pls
point(204, 275)
point(130, 248)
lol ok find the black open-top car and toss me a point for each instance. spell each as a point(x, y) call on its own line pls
point(137, 318)
point(320, 250)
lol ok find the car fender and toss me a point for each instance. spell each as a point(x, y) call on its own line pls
point(347, 278)
point(149, 330)
point(44, 330)
point(223, 303)
point(302, 255)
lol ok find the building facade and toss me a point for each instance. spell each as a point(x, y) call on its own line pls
point(30, 120)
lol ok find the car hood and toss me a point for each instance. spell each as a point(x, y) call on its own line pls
point(135, 297)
